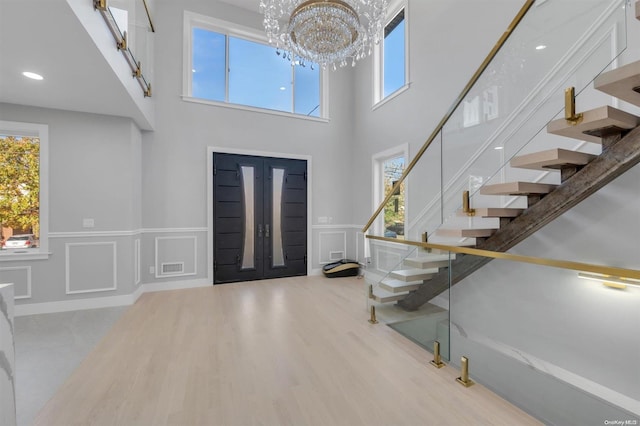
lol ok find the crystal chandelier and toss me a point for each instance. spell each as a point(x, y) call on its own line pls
point(327, 32)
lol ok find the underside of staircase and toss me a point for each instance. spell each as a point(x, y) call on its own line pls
point(581, 176)
point(613, 162)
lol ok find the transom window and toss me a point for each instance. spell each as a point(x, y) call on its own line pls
point(391, 58)
point(234, 66)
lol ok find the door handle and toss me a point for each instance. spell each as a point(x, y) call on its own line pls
point(266, 232)
point(260, 231)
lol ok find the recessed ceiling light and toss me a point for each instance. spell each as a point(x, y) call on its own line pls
point(283, 88)
point(541, 47)
point(498, 148)
point(33, 75)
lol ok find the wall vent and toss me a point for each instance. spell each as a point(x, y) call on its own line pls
point(172, 268)
point(336, 255)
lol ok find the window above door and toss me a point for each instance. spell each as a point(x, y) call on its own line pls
point(233, 66)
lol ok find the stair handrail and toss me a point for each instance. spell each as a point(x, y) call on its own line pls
point(555, 263)
point(122, 44)
point(476, 76)
point(146, 9)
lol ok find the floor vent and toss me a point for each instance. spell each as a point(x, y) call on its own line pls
point(172, 268)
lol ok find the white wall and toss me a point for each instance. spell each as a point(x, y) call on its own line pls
point(447, 43)
point(94, 173)
point(174, 157)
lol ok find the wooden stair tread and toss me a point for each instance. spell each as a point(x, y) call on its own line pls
point(556, 158)
point(399, 286)
point(493, 212)
point(517, 188)
point(621, 82)
point(383, 296)
point(433, 261)
point(409, 275)
point(596, 124)
point(466, 233)
point(498, 212)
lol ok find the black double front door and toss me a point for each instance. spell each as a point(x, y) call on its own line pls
point(259, 217)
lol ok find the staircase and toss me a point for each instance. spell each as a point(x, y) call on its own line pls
point(397, 285)
point(580, 174)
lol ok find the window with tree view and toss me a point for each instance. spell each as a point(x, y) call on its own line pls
point(235, 70)
point(392, 169)
point(19, 188)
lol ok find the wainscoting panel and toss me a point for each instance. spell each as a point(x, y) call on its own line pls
point(176, 256)
point(91, 267)
point(20, 277)
point(329, 244)
point(359, 245)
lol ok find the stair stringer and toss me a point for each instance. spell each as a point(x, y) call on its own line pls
point(613, 162)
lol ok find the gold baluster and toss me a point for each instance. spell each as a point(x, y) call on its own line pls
point(464, 379)
point(570, 107)
point(373, 319)
point(437, 360)
point(466, 204)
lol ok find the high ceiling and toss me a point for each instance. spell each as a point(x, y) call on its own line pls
point(46, 37)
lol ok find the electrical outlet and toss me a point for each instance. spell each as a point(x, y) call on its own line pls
point(88, 223)
point(152, 269)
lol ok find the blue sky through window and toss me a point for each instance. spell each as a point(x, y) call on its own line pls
point(208, 65)
point(394, 60)
point(257, 76)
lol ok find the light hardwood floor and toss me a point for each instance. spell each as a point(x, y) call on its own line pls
point(295, 351)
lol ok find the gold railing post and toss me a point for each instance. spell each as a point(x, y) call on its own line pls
point(122, 45)
point(425, 239)
point(138, 71)
point(464, 379)
point(373, 319)
point(466, 204)
point(570, 107)
point(437, 360)
point(100, 4)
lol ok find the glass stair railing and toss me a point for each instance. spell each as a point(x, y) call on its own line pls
point(565, 363)
point(131, 34)
point(501, 116)
point(548, 340)
point(510, 156)
point(401, 269)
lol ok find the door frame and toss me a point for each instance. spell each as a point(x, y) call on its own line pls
point(256, 153)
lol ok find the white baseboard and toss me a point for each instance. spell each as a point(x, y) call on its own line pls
point(175, 285)
point(105, 302)
point(316, 272)
point(74, 305)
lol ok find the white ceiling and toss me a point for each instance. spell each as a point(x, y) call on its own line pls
point(252, 5)
point(45, 36)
